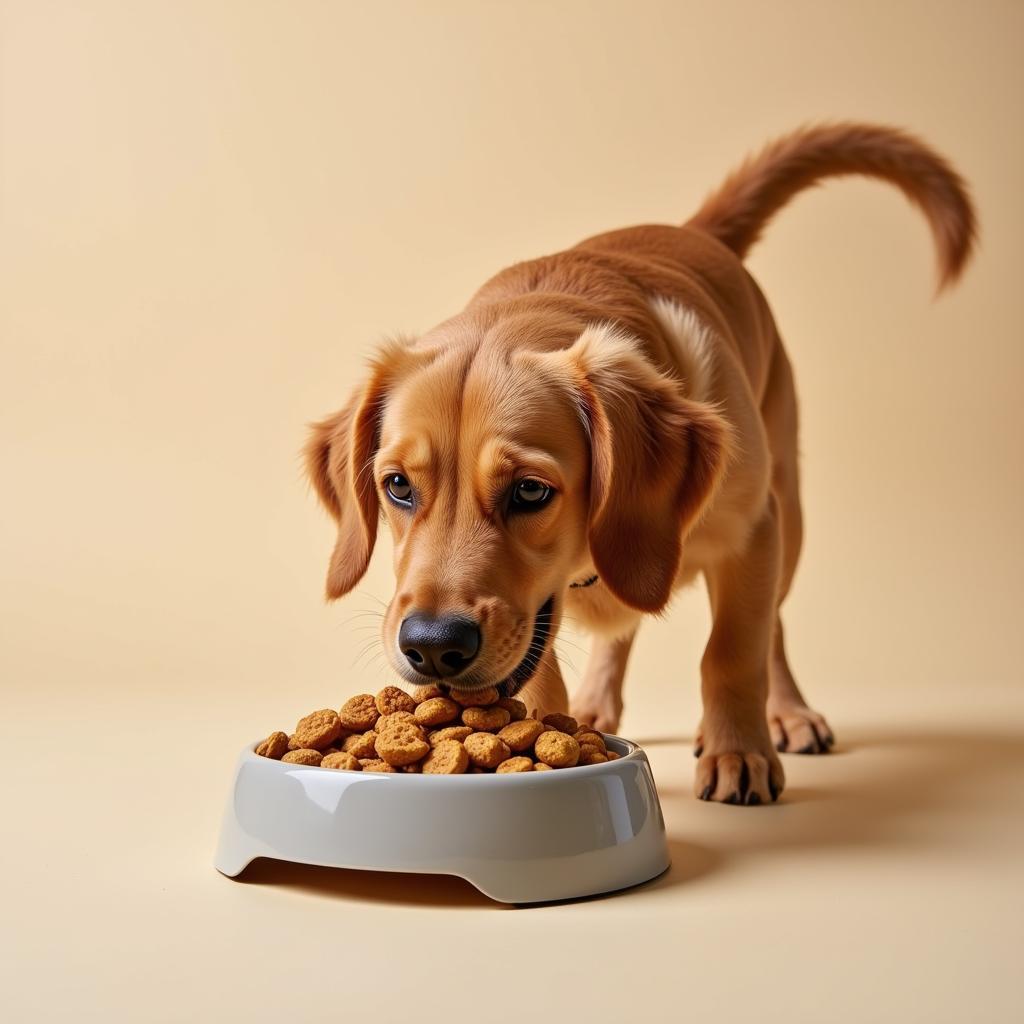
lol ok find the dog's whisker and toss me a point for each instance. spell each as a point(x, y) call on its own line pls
point(366, 649)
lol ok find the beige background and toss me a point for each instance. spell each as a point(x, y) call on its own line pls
point(210, 211)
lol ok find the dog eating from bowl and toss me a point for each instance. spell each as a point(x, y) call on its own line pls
point(592, 432)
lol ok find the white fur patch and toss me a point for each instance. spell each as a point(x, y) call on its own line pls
point(695, 342)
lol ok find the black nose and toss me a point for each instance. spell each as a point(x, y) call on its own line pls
point(438, 646)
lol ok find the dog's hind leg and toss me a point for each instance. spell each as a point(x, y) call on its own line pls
point(598, 701)
point(795, 727)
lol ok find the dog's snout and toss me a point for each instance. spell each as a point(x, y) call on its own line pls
point(438, 646)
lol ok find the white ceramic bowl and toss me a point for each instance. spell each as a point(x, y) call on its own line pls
point(519, 838)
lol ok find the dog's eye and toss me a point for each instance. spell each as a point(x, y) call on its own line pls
point(529, 494)
point(399, 490)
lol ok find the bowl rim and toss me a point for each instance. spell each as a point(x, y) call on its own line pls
point(633, 752)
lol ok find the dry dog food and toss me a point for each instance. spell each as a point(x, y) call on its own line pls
point(436, 733)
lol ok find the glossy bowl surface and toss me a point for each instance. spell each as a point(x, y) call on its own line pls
point(519, 838)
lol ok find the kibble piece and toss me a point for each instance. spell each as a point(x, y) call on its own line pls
point(593, 756)
point(610, 755)
point(522, 735)
point(586, 749)
point(361, 744)
point(413, 769)
point(485, 719)
point(449, 732)
point(376, 764)
point(402, 744)
point(449, 757)
point(293, 742)
point(275, 746)
point(301, 756)
point(563, 723)
point(392, 699)
point(516, 708)
point(540, 766)
point(585, 735)
point(437, 711)
point(515, 764)
point(359, 713)
point(557, 749)
point(486, 750)
point(318, 730)
point(475, 698)
point(395, 718)
point(342, 761)
point(422, 693)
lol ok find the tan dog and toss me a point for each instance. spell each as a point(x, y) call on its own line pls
point(595, 429)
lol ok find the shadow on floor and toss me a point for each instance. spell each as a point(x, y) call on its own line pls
point(369, 886)
point(897, 790)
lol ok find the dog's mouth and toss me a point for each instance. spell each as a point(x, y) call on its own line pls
point(523, 672)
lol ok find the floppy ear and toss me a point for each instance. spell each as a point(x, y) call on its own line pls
point(339, 460)
point(656, 460)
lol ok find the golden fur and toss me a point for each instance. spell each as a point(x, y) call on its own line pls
point(640, 375)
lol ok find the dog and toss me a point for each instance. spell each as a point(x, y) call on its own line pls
point(593, 431)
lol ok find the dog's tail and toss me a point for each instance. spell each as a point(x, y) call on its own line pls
point(737, 212)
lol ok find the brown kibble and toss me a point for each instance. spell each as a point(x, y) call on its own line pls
point(557, 749)
point(593, 756)
point(540, 766)
point(376, 764)
point(422, 693)
point(303, 756)
point(450, 732)
point(359, 713)
point(395, 718)
point(437, 711)
point(449, 757)
point(610, 755)
point(486, 750)
point(516, 708)
point(401, 744)
point(341, 761)
point(413, 769)
point(589, 736)
point(586, 749)
point(485, 719)
point(361, 745)
point(275, 746)
point(515, 764)
point(475, 698)
point(563, 723)
point(522, 735)
point(318, 730)
point(392, 699)
point(293, 743)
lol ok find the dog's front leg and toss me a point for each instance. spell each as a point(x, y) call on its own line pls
point(737, 762)
point(545, 693)
point(598, 701)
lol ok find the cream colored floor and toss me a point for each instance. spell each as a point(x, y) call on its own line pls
point(888, 885)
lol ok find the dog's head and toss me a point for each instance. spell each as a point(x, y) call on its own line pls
point(506, 472)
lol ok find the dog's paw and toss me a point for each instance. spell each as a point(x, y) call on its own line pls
point(748, 777)
point(796, 729)
point(596, 708)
